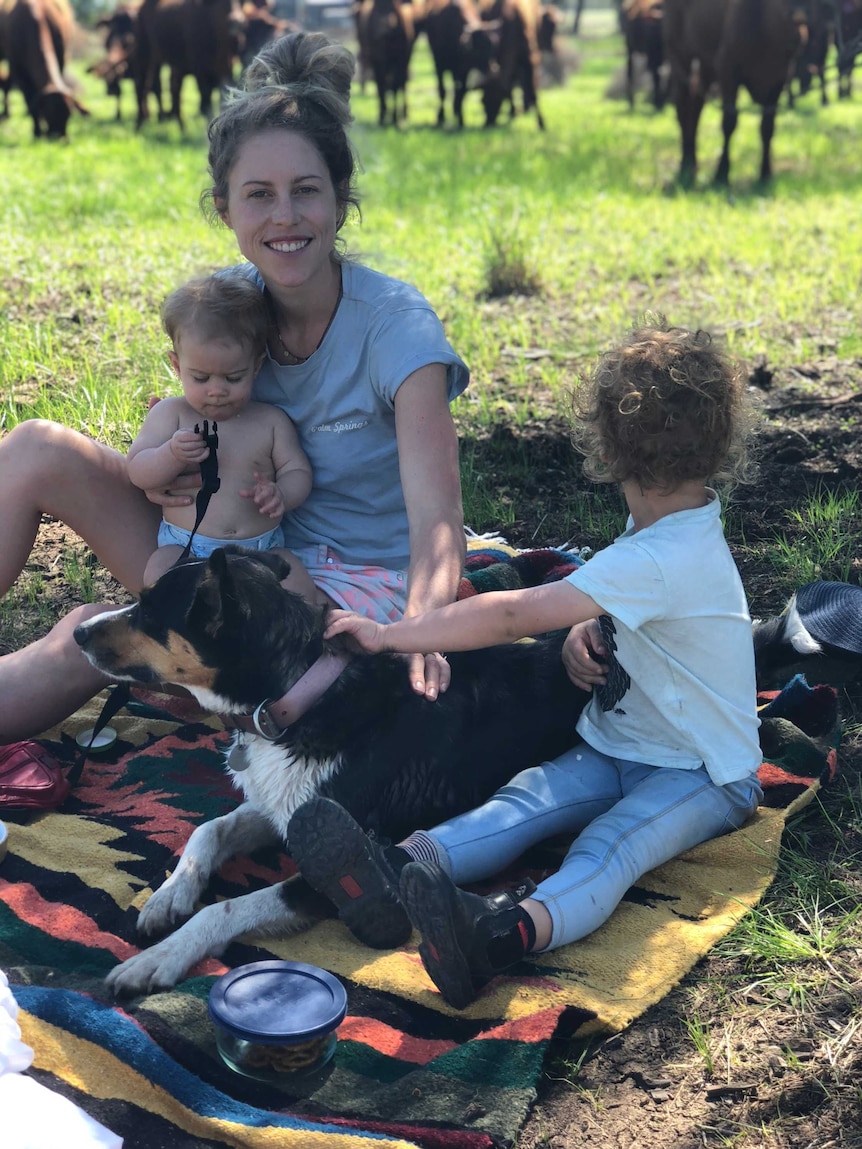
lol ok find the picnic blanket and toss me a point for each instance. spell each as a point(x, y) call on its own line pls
point(408, 1070)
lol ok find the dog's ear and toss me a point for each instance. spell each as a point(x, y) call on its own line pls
point(214, 596)
point(279, 566)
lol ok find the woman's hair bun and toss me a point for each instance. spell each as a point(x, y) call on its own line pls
point(303, 59)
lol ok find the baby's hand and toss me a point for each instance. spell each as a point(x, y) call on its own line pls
point(267, 497)
point(365, 632)
point(188, 446)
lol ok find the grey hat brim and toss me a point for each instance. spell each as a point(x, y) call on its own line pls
point(831, 612)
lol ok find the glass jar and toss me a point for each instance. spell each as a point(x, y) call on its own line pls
point(275, 1020)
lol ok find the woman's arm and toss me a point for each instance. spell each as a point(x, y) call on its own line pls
point(428, 460)
point(431, 482)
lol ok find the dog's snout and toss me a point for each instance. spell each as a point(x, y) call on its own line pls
point(81, 633)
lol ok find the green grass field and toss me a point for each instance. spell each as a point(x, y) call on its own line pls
point(94, 233)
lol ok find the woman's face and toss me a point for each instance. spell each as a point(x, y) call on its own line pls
point(282, 208)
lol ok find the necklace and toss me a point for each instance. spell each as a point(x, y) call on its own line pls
point(296, 360)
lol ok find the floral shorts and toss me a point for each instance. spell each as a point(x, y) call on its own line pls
point(375, 592)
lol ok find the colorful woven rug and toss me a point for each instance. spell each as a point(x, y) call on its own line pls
point(408, 1070)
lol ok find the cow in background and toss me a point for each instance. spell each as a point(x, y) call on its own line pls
point(550, 21)
point(260, 26)
point(5, 82)
point(193, 38)
point(35, 35)
point(644, 36)
point(810, 62)
point(497, 44)
point(386, 38)
point(729, 42)
point(122, 59)
point(445, 23)
point(848, 43)
point(508, 38)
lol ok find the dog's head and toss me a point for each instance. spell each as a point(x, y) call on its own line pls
point(222, 627)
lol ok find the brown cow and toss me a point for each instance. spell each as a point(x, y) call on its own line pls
point(34, 35)
point(810, 63)
point(497, 42)
point(259, 27)
point(515, 59)
point(642, 28)
point(193, 37)
point(122, 59)
point(731, 43)
point(386, 38)
point(848, 42)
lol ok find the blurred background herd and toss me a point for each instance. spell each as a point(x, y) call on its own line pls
point(500, 53)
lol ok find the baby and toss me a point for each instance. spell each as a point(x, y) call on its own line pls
point(218, 327)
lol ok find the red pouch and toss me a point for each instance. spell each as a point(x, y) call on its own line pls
point(30, 778)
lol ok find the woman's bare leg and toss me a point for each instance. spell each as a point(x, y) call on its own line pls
point(46, 468)
point(160, 561)
point(48, 680)
point(300, 581)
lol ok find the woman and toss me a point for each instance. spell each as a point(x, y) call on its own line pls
point(357, 360)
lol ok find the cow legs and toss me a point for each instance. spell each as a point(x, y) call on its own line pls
point(729, 118)
point(441, 97)
point(176, 91)
point(689, 105)
point(630, 79)
point(767, 130)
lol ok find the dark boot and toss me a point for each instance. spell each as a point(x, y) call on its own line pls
point(466, 939)
point(349, 867)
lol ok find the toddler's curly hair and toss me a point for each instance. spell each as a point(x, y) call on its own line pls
point(663, 407)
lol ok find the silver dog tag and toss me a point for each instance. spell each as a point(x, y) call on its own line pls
point(237, 758)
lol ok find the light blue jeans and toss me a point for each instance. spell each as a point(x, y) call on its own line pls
point(628, 817)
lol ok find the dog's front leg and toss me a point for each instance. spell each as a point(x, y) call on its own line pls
point(278, 910)
point(243, 830)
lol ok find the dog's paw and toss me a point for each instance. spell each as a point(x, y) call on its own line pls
point(170, 906)
point(159, 967)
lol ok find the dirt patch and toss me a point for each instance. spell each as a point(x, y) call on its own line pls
point(771, 1065)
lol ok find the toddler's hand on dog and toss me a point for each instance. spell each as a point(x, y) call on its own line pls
point(367, 634)
point(583, 652)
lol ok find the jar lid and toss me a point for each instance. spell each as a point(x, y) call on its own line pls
point(278, 1002)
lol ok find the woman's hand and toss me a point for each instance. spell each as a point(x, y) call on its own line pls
point(430, 674)
point(583, 652)
point(181, 492)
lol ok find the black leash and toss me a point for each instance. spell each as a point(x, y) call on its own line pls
point(118, 696)
point(210, 482)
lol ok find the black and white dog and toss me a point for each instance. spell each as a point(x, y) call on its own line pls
point(226, 630)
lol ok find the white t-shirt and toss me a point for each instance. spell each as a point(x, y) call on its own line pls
point(342, 402)
point(681, 689)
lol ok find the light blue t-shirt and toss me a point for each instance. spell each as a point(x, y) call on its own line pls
point(342, 403)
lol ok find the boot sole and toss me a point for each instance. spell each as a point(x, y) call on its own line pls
point(332, 854)
point(432, 905)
